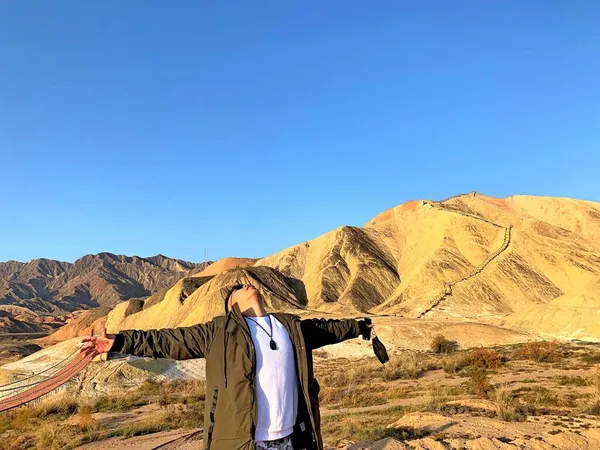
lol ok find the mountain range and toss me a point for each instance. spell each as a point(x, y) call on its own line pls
point(471, 257)
point(44, 293)
point(530, 264)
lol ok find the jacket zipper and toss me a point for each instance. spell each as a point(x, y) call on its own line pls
point(253, 391)
point(212, 418)
point(300, 356)
point(305, 389)
point(244, 326)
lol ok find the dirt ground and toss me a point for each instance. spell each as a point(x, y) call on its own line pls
point(527, 396)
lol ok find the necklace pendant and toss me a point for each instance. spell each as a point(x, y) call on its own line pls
point(273, 345)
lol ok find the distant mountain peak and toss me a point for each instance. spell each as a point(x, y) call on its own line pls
point(46, 286)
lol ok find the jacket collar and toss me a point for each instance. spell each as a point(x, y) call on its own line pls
point(236, 314)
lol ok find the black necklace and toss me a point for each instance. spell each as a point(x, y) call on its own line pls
point(272, 343)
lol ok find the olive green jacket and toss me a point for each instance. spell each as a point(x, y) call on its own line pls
point(231, 415)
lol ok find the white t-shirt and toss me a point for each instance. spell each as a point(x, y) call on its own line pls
point(276, 380)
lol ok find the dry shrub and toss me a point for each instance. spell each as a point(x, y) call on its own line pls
point(84, 414)
point(435, 399)
point(192, 389)
point(364, 395)
point(185, 388)
point(150, 386)
point(340, 428)
point(191, 415)
point(442, 345)
point(344, 426)
point(18, 441)
point(59, 406)
point(342, 379)
point(591, 358)
point(89, 427)
point(5, 423)
point(368, 369)
point(567, 380)
point(142, 427)
point(541, 351)
point(594, 380)
point(452, 364)
point(593, 404)
point(54, 436)
point(506, 406)
point(43, 426)
point(479, 383)
point(166, 392)
point(408, 367)
point(542, 396)
point(484, 358)
point(171, 417)
point(93, 432)
point(349, 386)
point(477, 358)
point(353, 395)
point(22, 418)
point(119, 402)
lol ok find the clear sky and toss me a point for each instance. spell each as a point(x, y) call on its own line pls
point(141, 127)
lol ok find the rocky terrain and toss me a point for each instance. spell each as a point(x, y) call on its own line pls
point(43, 294)
point(539, 395)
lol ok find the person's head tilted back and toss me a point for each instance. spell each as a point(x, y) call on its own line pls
point(245, 295)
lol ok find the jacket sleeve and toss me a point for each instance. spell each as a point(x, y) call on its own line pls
point(320, 332)
point(172, 343)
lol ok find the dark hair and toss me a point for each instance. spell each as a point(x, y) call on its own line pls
point(227, 295)
point(229, 292)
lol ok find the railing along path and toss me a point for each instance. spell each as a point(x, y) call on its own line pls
point(12, 396)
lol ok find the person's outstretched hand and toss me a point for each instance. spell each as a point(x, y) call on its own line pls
point(97, 344)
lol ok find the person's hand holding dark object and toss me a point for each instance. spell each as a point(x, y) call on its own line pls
point(365, 326)
point(378, 347)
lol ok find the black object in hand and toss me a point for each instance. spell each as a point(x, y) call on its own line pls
point(378, 347)
point(367, 331)
point(380, 350)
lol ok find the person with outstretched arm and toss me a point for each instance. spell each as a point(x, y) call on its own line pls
point(260, 390)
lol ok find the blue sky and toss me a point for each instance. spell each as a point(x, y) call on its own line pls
point(145, 127)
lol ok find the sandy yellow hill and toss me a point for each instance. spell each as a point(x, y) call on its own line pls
point(473, 255)
point(225, 264)
point(199, 299)
point(574, 316)
point(470, 257)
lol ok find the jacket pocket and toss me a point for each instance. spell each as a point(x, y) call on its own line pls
point(211, 425)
